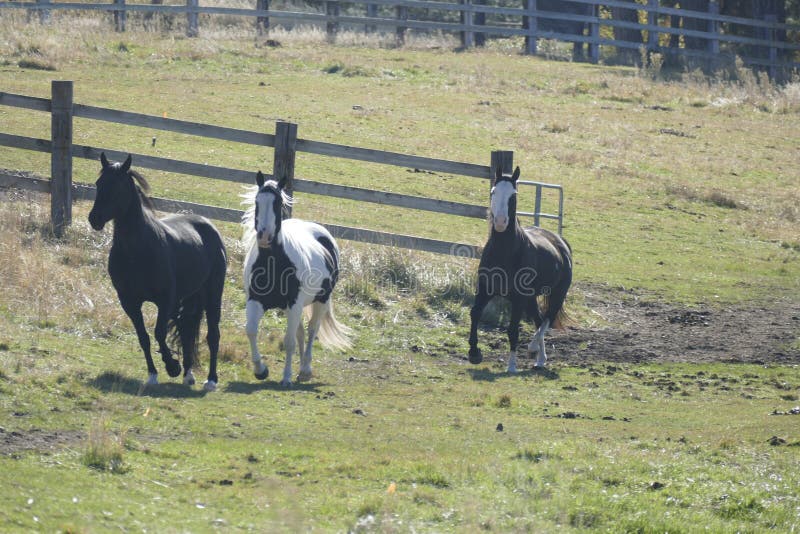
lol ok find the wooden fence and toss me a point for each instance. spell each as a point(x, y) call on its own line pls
point(285, 144)
point(706, 36)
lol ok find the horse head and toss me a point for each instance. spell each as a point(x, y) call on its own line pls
point(271, 200)
point(115, 192)
point(503, 206)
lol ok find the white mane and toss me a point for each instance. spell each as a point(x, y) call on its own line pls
point(248, 219)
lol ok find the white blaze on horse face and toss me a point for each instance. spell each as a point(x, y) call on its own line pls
point(265, 221)
point(501, 194)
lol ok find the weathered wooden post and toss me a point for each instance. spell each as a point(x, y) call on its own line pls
point(772, 53)
point(503, 160)
point(120, 16)
point(400, 31)
point(332, 25)
point(262, 23)
point(479, 19)
point(60, 156)
point(284, 156)
point(467, 35)
point(372, 12)
point(594, 33)
point(652, 21)
point(44, 14)
point(530, 23)
point(191, 18)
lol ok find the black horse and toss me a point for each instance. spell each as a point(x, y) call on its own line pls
point(520, 265)
point(178, 263)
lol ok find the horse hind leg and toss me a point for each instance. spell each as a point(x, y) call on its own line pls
point(187, 323)
point(213, 315)
point(318, 312)
point(294, 320)
point(513, 335)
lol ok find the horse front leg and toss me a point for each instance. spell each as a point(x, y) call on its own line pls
point(134, 311)
point(513, 335)
point(254, 311)
point(165, 310)
point(481, 300)
point(294, 320)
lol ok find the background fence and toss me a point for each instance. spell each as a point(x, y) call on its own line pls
point(702, 36)
point(286, 145)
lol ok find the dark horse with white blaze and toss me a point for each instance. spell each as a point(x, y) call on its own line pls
point(178, 263)
point(520, 264)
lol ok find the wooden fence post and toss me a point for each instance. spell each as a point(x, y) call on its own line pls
point(531, 23)
point(503, 160)
point(372, 12)
point(262, 23)
point(400, 31)
point(61, 156)
point(772, 52)
point(44, 14)
point(191, 19)
point(283, 160)
point(594, 33)
point(467, 35)
point(120, 16)
point(479, 19)
point(332, 26)
point(713, 27)
point(652, 20)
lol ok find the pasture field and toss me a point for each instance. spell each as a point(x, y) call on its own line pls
point(669, 405)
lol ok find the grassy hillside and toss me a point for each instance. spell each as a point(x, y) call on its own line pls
point(685, 191)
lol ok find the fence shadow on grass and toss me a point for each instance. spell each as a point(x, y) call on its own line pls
point(487, 375)
point(114, 382)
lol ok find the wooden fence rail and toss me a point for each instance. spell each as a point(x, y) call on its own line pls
point(759, 42)
point(285, 144)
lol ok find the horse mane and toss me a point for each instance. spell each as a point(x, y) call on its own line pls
point(249, 216)
point(142, 188)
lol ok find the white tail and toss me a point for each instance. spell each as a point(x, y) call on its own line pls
point(333, 334)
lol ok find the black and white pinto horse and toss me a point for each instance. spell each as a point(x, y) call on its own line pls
point(520, 265)
point(178, 263)
point(291, 264)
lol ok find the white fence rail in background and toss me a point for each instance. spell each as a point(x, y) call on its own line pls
point(285, 144)
point(708, 36)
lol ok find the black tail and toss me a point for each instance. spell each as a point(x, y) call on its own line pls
point(184, 326)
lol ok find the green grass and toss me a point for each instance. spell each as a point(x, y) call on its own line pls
point(401, 433)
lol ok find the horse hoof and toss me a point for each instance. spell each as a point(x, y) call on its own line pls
point(210, 385)
point(286, 383)
point(152, 380)
point(188, 379)
point(173, 368)
point(263, 375)
point(304, 376)
point(475, 355)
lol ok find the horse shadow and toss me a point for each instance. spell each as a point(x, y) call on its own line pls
point(248, 388)
point(112, 382)
point(487, 375)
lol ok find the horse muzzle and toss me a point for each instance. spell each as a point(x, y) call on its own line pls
point(264, 240)
point(95, 221)
point(500, 225)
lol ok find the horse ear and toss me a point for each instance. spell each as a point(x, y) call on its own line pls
point(260, 179)
point(497, 175)
point(515, 176)
point(282, 183)
point(104, 160)
point(127, 165)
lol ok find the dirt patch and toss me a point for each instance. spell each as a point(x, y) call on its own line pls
point(14, 442)
point(636, 329)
